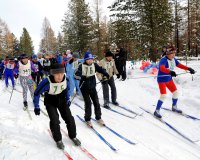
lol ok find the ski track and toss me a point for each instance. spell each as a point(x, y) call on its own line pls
point(22, 138)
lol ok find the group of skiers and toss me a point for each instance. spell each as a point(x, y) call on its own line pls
point(64, 77)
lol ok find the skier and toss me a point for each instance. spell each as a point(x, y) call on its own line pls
point(36, 75)
point(165, 74)
point(71, 66)
point(56, 88)
point(108, 63)
point(24, 68)
point(86, 74)
point(9, 72)
point(46, 65)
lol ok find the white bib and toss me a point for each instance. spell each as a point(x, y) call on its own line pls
point(108, 65)
point(25, 70)
point(88, 71)
point(10, 66)
point(46, 63)
point(75, 64)
point(57, 88)
point(171, 64)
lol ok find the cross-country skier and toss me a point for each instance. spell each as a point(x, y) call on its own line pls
point(86, 73)
point(56, 89)
point(24, 67)
point(165, 74)
point(108, 63)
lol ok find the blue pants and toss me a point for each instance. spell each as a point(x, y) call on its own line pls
point(74, 83)
point(11, 75)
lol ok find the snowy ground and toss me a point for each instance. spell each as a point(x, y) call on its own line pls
point(25, 139)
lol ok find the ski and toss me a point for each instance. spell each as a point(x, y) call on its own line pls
point(127, 109)
point(170, 126)
point(183, 114)
point(65, 152)
point(99, 135)
point(29, 114)
point(125, 115)
point(117, 134)
point(82, 148)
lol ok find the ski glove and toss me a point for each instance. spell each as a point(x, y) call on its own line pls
point(192, 71)
point(16, 76)
point(68, 103)
point(37, 111)
point(107, 75)
point(172, 73)
point(118, 76)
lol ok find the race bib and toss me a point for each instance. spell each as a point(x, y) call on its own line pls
point(57, 88)
point(171, 64)
point(88, 71)
point(25, 70)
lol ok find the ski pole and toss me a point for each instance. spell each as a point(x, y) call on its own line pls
point(75, 93)
point(11, 95)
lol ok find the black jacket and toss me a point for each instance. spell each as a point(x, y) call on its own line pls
point(90, 82)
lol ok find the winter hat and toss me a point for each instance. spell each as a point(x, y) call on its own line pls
point(75, 55)
point(34, 56)
point(88, 55)
point(108, 54)
point(22, 56)
point(170, 50)
point(57, 68)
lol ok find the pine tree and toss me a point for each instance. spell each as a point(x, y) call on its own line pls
point(48, 42)
point(77, 27)
point(26, 44)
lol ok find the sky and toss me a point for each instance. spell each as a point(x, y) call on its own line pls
point(30, 14)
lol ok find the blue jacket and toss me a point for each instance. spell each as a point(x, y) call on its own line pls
point(44, 86)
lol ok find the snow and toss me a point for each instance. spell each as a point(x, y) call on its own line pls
point(25, 139)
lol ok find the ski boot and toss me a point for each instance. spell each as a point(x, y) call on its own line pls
point(106, 106)
point(115, 103)
point(89, 124)
point(157, 114)
point(76, 141)
point(25, 105)
point(60, 145)
point(175, 109)
point(101, 122)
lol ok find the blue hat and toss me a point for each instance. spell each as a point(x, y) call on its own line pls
point(34, 56)
point(88, 55)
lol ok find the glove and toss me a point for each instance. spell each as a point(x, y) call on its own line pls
point(16, 76)
point(172, 73)
point(83, 78)
point(192, 71)
point(107, 75)
point(37, 111)
point(68, 103)
point(118, 76)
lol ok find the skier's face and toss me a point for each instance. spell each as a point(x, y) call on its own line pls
point(109, 58)
point(89, 61)
point(171, 55)
point(58, 77)
point(25, 60)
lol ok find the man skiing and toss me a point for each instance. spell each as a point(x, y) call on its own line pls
point(86, 73)
point(56, 89)
point(165, 74)
point(108, 63)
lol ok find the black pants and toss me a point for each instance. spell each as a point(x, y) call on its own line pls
point(55, 123)
point(105, 87)
point(87, 94)
point(36, 77)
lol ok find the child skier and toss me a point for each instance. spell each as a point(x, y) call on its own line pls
point(9, 72)
point(165, 74)
point(24, 67)
point(56, 88)
point(108, 63)
point(86, 74)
